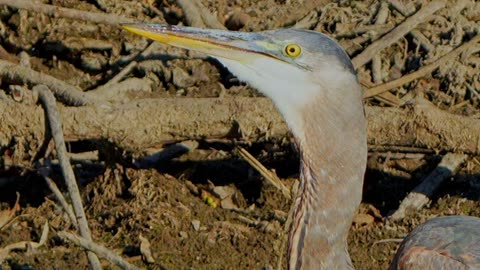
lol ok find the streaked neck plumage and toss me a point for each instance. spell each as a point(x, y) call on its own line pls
point(328, 123)
point(333, 160)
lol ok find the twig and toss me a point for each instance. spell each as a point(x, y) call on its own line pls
point(307, 21)
point(389, 240)
point(404, 9)
point(48, 101)
point(55, 11)
point(102, 251)
point(128, 68)
point(263, 225)
point(169, 152)
point(382, 17)
point(23, 245)
point(421, 194)
point(120, 75)
point(197, 15)
point(58, 194)
point(474, 92)
point(391, 155)
point(421, 72)
point(422, 15)
point(269, 176)
point(18, 74)
point(83, 156)
point(385, 97)
point(399, 149)
point(424, 42)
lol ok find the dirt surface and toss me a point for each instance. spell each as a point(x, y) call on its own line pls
point(208, 209)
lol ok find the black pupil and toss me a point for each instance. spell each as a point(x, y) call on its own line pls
point(292, 49)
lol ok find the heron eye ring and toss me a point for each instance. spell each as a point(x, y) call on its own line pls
point(293, 50)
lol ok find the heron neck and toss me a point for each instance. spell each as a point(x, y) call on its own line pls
point(333, 160)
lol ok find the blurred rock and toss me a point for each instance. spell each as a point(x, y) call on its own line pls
point(182, 78)
point(237, 20)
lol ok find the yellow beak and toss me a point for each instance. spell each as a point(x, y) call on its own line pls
point(231, 45)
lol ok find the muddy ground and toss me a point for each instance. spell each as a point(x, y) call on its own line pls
point(175, 204)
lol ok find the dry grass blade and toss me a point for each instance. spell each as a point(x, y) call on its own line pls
point(269, 176)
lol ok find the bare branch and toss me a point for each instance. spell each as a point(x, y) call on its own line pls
point(14, 73)
point(422, 193)
point(102, 251)
point(48, 101)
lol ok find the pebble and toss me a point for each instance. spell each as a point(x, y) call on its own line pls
point(181, 78)
point(196, 224)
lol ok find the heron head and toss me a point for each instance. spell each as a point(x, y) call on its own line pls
point(292, 67)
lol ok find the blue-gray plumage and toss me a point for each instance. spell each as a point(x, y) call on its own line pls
point(312, 82)
point(451, 242)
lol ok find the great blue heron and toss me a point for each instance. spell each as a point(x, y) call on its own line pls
point(312, 82)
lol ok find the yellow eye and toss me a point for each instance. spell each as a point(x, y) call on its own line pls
point(293, 50)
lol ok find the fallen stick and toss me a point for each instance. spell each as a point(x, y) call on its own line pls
point(56, 11)
point(385, 97)
point(63, 202)
point(17, 74)
point(152, 159)
point(101, 251)
point(422, 193)
point(48, 101)
point(421, 16)
point(151, 123)
point(24, 245)
point(269, 176)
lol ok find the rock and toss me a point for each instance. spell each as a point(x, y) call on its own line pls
point(145, 250)
point(196, 224)
point(237, 20)
point(228, 204)
point(181, 78)
point(363, 219)
point(183, 235)
point(93, 61)
point(223, 191)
